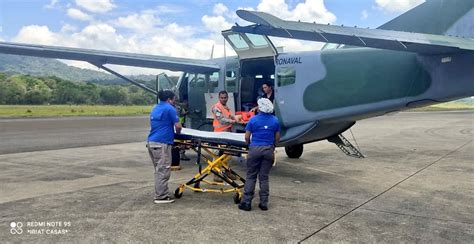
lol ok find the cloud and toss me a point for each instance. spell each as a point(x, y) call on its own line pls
point(52, 4)
point(215, 23)
point(364, 14)
point(397, 5)
point(142, 22)
point(37, 34)
point(170, 9)
point(220, 9)
point(307, 11)
point(67, 28)
point(149, 34)
point(78, 14)
point(96, 6)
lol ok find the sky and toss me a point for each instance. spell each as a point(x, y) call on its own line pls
point(178, 28)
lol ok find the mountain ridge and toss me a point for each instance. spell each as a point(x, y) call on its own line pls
point(15, 64)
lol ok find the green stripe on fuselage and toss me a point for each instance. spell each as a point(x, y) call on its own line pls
point(361, 75)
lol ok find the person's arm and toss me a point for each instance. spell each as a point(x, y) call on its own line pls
point(248, 131)
point(277, 132)
point(177, 125)
point(220, 117)
point(247, 137)
point(277, 137)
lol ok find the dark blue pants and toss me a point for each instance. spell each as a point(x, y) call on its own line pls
point(259, 163)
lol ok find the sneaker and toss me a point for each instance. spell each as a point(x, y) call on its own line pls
point(263, 207)
point(164, 200)
point(245, 206)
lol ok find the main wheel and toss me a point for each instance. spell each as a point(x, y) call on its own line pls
point(294, 151)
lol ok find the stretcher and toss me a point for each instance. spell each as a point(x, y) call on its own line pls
point(216, 150)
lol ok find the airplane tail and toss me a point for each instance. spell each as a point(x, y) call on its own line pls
point(438, 17)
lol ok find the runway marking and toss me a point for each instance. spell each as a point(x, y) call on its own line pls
point(390, 188)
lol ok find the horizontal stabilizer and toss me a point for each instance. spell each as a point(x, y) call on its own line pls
point(100, 58)
point(266, 24)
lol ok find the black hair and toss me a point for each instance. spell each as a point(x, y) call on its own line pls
point(164, 95)
point(268, 83)
point(223, 92)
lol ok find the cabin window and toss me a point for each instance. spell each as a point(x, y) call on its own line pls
point(214, 80)
point(286, 76)
point(197, 80)
point(231, 81)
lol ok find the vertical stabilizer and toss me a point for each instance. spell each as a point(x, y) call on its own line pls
point(438, 17)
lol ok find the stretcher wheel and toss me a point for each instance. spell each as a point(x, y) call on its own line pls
point(178, 193)
point(237, 198)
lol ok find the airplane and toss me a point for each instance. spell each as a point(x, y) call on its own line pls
point(423, 57)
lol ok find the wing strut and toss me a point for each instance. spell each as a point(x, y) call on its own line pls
point(100, 66)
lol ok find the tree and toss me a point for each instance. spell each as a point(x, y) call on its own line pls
point(114, 95)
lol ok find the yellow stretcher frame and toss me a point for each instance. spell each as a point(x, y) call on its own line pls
point(217, 164)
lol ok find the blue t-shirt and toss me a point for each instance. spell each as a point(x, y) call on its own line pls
point(162, 120)
point(263, 127)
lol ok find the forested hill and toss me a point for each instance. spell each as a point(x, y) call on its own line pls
point(14, 64)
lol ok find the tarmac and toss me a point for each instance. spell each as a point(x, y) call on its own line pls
point(415, 185)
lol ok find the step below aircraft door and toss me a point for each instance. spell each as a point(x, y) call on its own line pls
point(249, 46)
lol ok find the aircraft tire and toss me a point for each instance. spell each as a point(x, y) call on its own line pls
point(294, 151)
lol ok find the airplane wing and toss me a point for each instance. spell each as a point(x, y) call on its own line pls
point(266, 24)
point(100, 58)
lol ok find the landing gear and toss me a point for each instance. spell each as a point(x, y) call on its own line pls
point(294, 151)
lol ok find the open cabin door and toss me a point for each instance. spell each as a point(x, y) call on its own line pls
point(257, 66)
point(249, 46)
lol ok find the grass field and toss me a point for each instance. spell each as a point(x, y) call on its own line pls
point(22, 111)
point(33, 111)
point(455, 105)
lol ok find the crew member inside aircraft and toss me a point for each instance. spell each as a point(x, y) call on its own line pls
point(164, 122)
point(267, 93)
point(223, 118)
point(262, 133)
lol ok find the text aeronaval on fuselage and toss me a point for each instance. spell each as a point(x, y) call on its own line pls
point(292, 60)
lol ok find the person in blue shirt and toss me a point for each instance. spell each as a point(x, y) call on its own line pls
point(261, 133)
point(163, 122)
